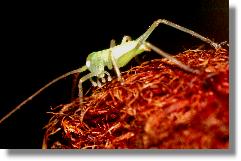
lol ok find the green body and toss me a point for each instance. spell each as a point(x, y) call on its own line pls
point(123, 53)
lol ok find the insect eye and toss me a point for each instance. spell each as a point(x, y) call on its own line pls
point(88, 63)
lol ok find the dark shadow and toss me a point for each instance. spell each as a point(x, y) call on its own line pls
point(126, 152)
point(232, 80)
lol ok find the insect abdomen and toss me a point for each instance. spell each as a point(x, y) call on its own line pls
point(125, 52)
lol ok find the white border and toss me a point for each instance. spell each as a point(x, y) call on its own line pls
point(4, 154)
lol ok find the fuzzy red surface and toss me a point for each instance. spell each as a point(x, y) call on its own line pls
point(159, 106)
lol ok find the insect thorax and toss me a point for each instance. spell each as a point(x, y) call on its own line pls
point(123, 53)
point(95, 62)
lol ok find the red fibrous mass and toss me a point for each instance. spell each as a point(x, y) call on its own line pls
point(159, 106)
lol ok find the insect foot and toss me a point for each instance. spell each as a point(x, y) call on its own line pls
point(108, 76)
point(103, 80)
point(99, 83)
point(94, 84)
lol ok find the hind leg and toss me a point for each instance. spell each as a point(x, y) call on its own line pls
point(144, 36)
point(168, 56)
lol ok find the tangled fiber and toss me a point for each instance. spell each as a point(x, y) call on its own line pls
point(158, 106)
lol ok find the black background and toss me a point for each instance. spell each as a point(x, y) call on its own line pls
point(41, 41)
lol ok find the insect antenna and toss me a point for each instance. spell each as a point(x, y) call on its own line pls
point(79, 70)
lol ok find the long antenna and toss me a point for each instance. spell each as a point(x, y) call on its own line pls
point(79, 70)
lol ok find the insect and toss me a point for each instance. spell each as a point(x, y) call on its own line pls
point(116, 57)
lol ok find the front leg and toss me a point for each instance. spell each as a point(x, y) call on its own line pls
point(82, 80)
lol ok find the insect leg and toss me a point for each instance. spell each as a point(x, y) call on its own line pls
point(103, 80)
point(98, 83)
point(83, 79)
point(108, 74)
point(113, 61)
point(168, 56)
point(143, 37)
point(93, 82)
point(166, 22)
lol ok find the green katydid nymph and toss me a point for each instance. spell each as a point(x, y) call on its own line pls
point(116, 57)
